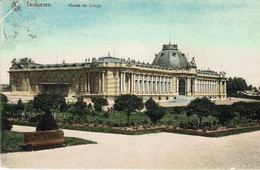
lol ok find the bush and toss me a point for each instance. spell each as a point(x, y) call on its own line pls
point(150, 104)
point(154, 111)
point(225, 113)
point(28, 109)
point(19, 108)
point(47, 122)
point(99, 102)
point(106, 115)
point(7, 109)
point(63, 107)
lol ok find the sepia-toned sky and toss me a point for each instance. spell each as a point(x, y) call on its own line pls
point(221, 35)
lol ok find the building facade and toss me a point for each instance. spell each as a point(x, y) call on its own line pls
point(168, 76)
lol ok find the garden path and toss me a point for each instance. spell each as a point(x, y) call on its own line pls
point(160, 150)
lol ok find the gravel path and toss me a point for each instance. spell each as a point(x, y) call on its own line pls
point(161, 150)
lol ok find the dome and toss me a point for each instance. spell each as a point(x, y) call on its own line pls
point(170, 56)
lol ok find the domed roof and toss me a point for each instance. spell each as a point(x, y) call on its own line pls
point(170, 56)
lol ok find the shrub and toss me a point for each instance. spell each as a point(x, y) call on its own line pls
point(63, 106)
point(128, 103)
point(225, 113)
point(154, 111)
point(7, 109)
point(106, 115)
point(99, 102)
point(245, 110)
point(19, 108)
point(182, 120)
point(201, 107)
point(47, 122)
point(81, 107)
point(28, 109)
point(149, 104)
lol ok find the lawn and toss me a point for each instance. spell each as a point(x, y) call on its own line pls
point(13, 141)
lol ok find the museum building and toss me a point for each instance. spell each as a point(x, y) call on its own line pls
point(170, 75)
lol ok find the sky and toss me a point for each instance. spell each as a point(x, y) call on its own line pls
point(221, 35)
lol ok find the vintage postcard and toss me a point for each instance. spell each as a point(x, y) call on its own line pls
point(130, 84)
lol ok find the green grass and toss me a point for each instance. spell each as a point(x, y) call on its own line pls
point(11, 141)
point(14, 141)
point(148, 131)
point(71, 141)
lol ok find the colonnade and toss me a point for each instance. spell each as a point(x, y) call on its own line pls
point(142, 83)
point(207, 86)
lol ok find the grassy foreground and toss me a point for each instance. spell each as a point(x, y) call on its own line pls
point(13, 141)
point(226, 132)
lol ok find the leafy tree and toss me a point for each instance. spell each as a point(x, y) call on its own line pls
point(202, 107)
point(3, 98)
point(46, 101)
point(99, 102)
point(47, 122)
point(128, 103)
point(250, 87)
point(236, 84)
point(154, 111)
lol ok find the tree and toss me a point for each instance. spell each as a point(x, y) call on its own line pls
point(46, 101)
point(47, 122)
point(236, 84)
point(128, 103)
point(99, 102)
point(154, 111)
point(201, 107)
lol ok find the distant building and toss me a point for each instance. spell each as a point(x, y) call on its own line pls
point(170, 75)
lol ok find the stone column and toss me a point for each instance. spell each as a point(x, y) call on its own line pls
point(134, 82)
point(138, 83)
point(155, 83)
point(148, 83)
point(89, 82)
point(160, 85)
point(151, 83)
point(177, 85)
point(103, 82)
point(123, 82)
